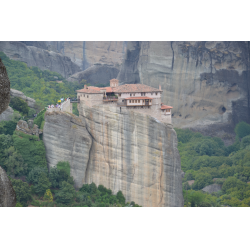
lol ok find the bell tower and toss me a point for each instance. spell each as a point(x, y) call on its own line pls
point(114, 83)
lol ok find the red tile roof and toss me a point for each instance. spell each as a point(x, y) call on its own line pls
point(108, 89)
point(127, 88)
point(89, 91)
point(166, 107)
point(138, 98)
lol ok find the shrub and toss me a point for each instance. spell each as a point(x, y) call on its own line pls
point(19, 105)
point(42, 185)
point(66, 194)
point(22, 190)
point(48, 196)
point(120, 197)
point(232, 182)
point(242, 129)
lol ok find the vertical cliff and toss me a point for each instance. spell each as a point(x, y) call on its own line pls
point(122, 151)
point(207, 83)
point(87, 53)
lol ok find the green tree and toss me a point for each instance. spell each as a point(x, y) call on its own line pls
point(19, 105)
point(22, 190)
point(232, 182)
point(14, 162)
point(66, 194)
point(202, 180)
point(242, 129)
point(48, 196)
point(35, 174)
point(120, 197)
point(42, 185)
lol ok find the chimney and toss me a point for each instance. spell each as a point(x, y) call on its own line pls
point(159, 87)
point(85, 86)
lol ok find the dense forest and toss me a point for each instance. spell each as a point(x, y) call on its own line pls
point(205, 160)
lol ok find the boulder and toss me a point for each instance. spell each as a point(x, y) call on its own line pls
point(212, 188)
point(7, 193)
point(96, 74)
point(7, 115)
point(25, 128)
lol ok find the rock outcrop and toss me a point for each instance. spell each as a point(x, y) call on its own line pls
point(207, 83)
point(41, 58)
point(212, 188)
point(96, 74)
point(120, 150)
point(4, 88)
point(30, 129)
point(7, 115)
point(7, 193)
point(30, 101)
point(87, 53)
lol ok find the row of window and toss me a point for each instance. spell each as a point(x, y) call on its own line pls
point(84, 95)
point(137, 101)
point(167, 110)
point(142, 94)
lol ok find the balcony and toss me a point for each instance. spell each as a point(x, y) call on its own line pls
point(110, 99)
point(75, 100)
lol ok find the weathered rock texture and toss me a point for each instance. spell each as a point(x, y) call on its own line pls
point(30, 129)
point(122, 151)
point(7, 193)
point(207, 83)
point(96, 74)
point(7, 114)
point(30, 101)
point(4, 88)
point(43, 59)
point(87, 53)
point(212, 188)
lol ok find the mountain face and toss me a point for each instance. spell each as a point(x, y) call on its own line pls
point(207, 83)
point(87, 53)
point(120, 150)
point(41, 58)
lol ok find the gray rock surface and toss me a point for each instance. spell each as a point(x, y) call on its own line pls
point(38, 44)
point(30, 101)
point(7, 193)
point(7, 114)
point(96, 74)
point(43, 59)
point(207, 83)
point(4, 88)
point(26, 128)
point(87, 53)
point(212, 188)
point(122, 151)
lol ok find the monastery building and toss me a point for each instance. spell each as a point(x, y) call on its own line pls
point(136, 97)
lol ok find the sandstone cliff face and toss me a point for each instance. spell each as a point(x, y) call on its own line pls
point(7, 193)
point(96, 74)
point(122, 151)
point(207, 83)
point(87, 53)
point(43, 59)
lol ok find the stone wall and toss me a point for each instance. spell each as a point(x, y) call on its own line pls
point(119, 149)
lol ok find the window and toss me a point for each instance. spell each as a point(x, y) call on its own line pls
point(84, 95)
point(150, 100)
point(130, 101)
point(151, 93)
point(135, 101)
point(120, 95)
point(156, 93)
point(134, 94)
point(143, 100)
point(130, 94)
point(87, 96)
